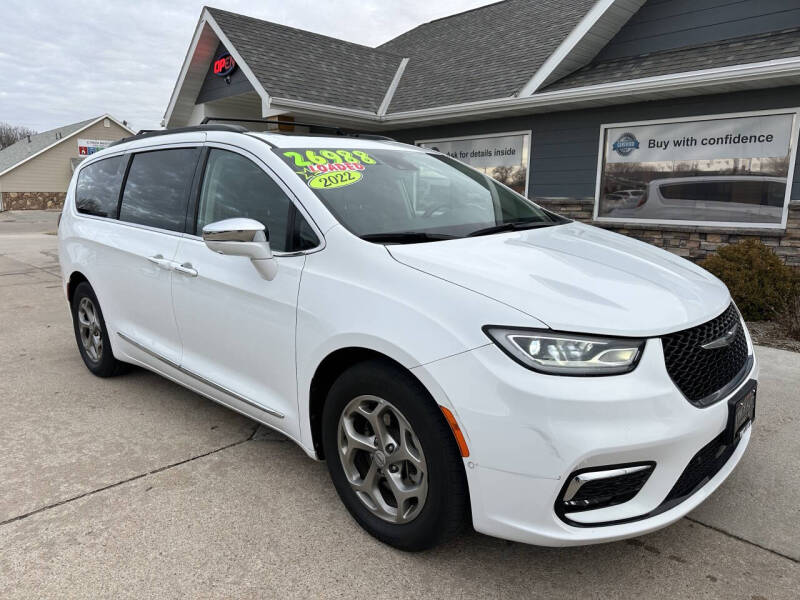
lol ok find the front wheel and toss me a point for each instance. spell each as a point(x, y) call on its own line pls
point(393, 458)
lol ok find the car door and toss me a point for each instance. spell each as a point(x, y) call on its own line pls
point(152, 217)
point(238, 329)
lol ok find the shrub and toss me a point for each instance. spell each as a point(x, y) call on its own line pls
point(789, 318)
point(760, 282)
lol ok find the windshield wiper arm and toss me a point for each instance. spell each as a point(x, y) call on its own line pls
point(406, 237)
point(518, 226)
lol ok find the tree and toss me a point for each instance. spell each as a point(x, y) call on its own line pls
point(10, 134)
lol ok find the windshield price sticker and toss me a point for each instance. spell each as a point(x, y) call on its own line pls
point(327, 181)
point(336, 167)
point(329, 169)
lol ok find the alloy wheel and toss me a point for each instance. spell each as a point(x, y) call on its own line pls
point(91, 331)
point(382, 459)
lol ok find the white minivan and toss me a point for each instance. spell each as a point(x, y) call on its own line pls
point(717, 198)
point(454, 352)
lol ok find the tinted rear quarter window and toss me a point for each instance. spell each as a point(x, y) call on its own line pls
point(157, 188)
point(97, 192)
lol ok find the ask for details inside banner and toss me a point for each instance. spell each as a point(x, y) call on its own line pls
point(718, 170)
point(502, 156)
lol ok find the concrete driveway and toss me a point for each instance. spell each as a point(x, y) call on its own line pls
point(135, 487)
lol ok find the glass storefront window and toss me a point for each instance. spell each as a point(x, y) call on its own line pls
point(711, 171)
point(501, 156)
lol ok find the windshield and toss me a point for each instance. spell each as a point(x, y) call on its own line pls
point(401, 196)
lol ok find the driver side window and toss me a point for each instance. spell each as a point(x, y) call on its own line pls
point(234, 186)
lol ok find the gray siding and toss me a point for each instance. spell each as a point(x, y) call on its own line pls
point(565, 144)
point(669, 24)
point(215, 87)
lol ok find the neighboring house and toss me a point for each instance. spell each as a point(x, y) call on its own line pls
point(578, 103)
point(35, 171)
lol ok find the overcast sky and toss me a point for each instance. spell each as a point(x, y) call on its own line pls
point(64, 60)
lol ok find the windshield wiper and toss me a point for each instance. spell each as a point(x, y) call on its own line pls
point(406, 237)
point(513, 226)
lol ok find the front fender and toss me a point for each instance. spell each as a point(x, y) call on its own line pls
point(355, 295)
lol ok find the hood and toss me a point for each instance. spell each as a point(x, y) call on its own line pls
point(577, 278)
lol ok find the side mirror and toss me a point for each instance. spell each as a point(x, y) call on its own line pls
point(242, 237)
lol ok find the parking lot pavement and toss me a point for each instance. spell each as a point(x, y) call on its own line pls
point(135, 487)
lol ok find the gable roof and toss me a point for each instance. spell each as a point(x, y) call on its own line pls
point(301, 65)
point(23, 150)
point(431, 65)
point(445, 53)
point(742, 50)
point(510, 57)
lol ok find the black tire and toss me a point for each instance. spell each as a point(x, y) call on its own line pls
point(446, 508)
point(104, 365)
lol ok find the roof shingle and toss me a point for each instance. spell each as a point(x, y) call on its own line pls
point(482, 54)
point(736, 51)
point(486, 53)
point(16, 153)
point(301, 65)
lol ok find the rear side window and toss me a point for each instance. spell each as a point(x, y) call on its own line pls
point(157, 188)
point(97, 192)
point(234, 186)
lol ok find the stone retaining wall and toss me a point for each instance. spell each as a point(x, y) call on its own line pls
point(32, 200)
point(692, 242)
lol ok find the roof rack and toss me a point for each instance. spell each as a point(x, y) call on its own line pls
point(206, 126)
point(148, 133)
point(337, 130)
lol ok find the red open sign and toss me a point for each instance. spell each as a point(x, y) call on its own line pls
point(224, 65)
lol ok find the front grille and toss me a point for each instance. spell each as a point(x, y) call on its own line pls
point(701, 469)
point(699, 372)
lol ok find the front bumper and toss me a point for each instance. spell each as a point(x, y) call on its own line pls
point(527, 432)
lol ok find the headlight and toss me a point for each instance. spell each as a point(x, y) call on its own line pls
point(567, 353)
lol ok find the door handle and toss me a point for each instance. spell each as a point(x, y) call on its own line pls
point(162, 262)
point(187, 269)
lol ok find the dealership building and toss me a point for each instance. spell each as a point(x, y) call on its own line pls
point(35, 171)
point(673, 121)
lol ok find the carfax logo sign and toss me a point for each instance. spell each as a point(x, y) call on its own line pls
point(625, 144)
point(87, 147)
point(759, 136)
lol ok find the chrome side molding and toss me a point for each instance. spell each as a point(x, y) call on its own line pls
point(198, 377)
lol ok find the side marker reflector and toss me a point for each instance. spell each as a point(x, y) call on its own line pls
point(451, 420)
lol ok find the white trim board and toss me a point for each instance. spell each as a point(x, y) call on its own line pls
point(793, 140)
point(208, 26)
point(240, 62)
point(626, 90)
point(589, 36)
point(67, 137)
point(187, 59)
point(702, 82)
point(387, 99)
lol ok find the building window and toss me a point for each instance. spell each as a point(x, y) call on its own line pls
point(502, 156)
point(728, 170)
